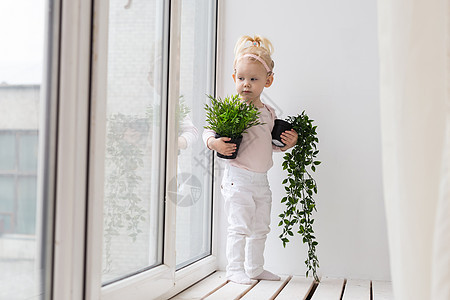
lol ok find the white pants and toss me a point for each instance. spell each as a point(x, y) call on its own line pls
point(248, 201)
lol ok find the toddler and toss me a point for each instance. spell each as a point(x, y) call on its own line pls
point(245, 187)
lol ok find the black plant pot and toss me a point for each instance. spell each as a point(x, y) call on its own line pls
point(279, 127)
point(236, 141)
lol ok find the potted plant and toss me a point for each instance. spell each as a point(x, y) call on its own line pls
point(300, 187)
point(230, 117)
point(279, 127)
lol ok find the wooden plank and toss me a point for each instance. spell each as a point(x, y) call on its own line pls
point(296, 289)
point(382, 290)
point(356, 289)
point(329, 289)
point(203, 287)
point(231, 291)
point(266, 289)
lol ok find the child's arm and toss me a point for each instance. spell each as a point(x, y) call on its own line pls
point(289, 138)
point(188, 133)
point(218, 144)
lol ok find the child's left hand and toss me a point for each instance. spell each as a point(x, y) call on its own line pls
point(289, 138)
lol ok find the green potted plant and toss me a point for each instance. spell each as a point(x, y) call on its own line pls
point(230, 117)
point(300, 187)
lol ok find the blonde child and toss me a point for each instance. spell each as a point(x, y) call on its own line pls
point(245, 187)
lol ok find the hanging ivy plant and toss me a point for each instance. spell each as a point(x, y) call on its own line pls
point(124, 157)
point(300, 188)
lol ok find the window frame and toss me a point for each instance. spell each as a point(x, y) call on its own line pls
point(163, 280)
point(70, 65)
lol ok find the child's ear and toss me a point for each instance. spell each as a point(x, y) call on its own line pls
point(269, 80)
point(234, 77)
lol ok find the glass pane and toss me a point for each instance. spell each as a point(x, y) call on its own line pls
point(7, 148)
point(26, 205)
point(22, 24)
point(7, 196)
point(133, 204)
point(193, 184)
point(6, 222)
point(28, 149)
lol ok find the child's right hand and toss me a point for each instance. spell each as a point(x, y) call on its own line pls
point(220, 146)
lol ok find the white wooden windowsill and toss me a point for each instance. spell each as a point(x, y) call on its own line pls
point(289, 287)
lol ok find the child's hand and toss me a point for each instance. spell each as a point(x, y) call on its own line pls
point(220, 146)
point(289, 138)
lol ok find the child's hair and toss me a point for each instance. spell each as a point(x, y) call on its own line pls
point(259, 46)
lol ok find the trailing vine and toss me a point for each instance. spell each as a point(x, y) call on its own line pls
point(300, 187)
point(124, 156)
point(125, 143)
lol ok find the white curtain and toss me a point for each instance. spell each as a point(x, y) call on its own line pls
point(415, 111)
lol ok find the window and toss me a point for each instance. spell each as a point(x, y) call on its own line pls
point(95, 148)
point(25, 214)
point(194, 172)
point(132, 224)
point(18, 167)
point(156, 212)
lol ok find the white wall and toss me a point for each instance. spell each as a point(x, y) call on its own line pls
point(326, 62)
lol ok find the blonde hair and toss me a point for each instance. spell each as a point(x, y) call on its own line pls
point(259, 46)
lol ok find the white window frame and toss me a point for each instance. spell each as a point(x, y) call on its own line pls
point(162, 281)
point(79, 85)
point(72, 40)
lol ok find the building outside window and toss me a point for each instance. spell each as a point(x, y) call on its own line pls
point(19, 143)
point(18, 165)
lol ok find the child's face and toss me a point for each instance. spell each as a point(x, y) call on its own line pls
point(251, 78)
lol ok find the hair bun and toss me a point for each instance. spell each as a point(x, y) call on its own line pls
point(256, 45)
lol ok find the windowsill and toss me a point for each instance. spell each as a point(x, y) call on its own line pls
point(17, 236)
